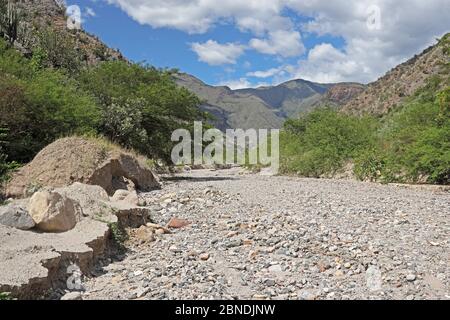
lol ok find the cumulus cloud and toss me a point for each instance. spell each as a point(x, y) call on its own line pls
point(267, 73)
point(214, 53)
point(236, 84)
point(378, 34)
point(371, 48)
point(280, 42)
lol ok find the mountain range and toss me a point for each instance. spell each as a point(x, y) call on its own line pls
point(265, 107)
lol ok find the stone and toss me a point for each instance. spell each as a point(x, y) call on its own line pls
point(127, 196)
point(145, 234)
point(120, 195)
point(204, 256)
point(411, 277)
point(158, 228)
point(72, 296)
point(77, 159)
point(177, 223)
point(275, 268)
point(93, 199)
point(54, 212)
point(16, 216)
point(269, 282)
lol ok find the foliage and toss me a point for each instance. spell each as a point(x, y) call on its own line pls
point(141, 106)
point(6, 167)
point(56, 49)
point(38, 107)
point(5, 296)
point(322, 141)
point(411, 144)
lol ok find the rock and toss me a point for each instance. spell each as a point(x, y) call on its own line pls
point(129, 197)
point(177, 223)
point(54, 212)
point(269, 282)
point(89, 161)
point(93, 199)
point(275, 268)
point(72, 296)
point(373, 278)
point(204, 256)
point(160, 231)
point(145, 234)
point(306, 295)
point(120, 195)
point(16, 216)
point(96, 204)
point(411, 277)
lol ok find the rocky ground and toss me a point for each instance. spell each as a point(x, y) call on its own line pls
point(261, 237)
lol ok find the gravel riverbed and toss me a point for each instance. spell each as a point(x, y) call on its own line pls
point(261, 237)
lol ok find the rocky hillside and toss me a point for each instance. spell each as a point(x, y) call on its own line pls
point(266, 107)
point(33, 20)
point(341, 94)
point(401, 82)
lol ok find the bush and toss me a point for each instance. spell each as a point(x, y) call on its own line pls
point(323, 141)
point(141, 106)
point(411, 144)
point(38, 107)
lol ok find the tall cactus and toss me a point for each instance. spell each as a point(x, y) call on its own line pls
point(9, 20)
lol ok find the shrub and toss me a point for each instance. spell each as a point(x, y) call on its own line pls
point(323, 141)
point(141, 106)
point(38, 107)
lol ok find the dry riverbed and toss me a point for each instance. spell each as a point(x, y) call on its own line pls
point(262, 237)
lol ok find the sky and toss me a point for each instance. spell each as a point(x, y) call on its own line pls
point(253, 43)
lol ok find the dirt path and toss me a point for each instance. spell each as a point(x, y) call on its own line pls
point(266, 237)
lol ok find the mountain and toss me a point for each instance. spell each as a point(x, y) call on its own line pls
point(402, 81)
point(36, 20)
point(265, 107)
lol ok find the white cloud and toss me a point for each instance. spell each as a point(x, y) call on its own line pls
point(90, 12)
point(280, 42)
point(242, 83)
point(215, 54)
point(267, 73)
point(406, 27)
point(236, 84)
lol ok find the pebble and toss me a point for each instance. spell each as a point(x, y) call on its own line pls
point(257, 237)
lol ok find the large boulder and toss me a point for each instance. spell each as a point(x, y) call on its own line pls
point(89, 161)
point(126, 196)
point(54, 212)
point(93, 199)
point(16, 215)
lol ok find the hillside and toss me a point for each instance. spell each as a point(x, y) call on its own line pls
point(266, 107)
point(39, 23)
point(399, 83)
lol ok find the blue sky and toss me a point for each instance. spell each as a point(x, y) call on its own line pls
point(243, 44)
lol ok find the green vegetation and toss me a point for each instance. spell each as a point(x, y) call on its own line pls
point(5, 296)
point(50, 95)
point(323, 141)
point(141, 106)
point(411, 144)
